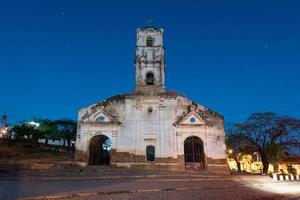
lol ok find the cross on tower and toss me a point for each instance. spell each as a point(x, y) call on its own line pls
point(149, 22)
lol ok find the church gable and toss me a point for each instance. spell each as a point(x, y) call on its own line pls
point(101, 116)
point(192, 118)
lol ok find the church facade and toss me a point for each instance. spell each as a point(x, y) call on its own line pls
point(151, 127)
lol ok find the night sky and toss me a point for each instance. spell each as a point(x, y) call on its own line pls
point(235, 57)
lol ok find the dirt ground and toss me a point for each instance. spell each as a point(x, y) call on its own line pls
point(32, 173)
point(15, 156)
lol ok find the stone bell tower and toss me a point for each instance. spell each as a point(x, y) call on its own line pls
point(149, 61)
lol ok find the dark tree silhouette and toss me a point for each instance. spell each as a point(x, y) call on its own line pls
point(267, 133)
point(28, 134)
point(49, 130)
point(67, 129)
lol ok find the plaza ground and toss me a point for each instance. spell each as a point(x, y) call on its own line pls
point(45, 174)
point(137, 184)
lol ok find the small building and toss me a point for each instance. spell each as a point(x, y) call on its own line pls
point(151, 127)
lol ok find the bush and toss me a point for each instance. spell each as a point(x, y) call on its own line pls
point(291, 170)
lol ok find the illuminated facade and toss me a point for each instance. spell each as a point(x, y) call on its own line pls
point(151, 127)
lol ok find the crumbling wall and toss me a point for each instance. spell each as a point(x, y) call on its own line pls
point(150, 120)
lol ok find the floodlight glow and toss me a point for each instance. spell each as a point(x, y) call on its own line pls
point(3, 130)
point(35, 124)
point(280, 188)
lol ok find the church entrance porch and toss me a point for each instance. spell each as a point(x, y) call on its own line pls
point(100, 150)
point(193, 153)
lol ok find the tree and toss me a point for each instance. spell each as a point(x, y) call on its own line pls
point(268, 134)
point(49, 130)
point(27, 133)
point(234, 149)
point(67, 129)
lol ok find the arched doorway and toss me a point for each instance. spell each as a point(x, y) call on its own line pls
point(193, 153)
point(100, 148)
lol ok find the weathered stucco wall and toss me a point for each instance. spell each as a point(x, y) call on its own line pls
point(139, 128)
point(150, 59)
point(151, 116)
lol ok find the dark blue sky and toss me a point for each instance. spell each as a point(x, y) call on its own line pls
point(236, 57)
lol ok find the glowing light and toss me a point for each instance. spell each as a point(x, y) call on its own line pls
point(280, 188)
point(267, 184)
point(230, 151)
point(3, 130)
point(35, 124)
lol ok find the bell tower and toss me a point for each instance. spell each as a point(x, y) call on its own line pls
point(149, 61)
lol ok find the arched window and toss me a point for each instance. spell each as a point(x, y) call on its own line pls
point(150, 78)
point(150, 153)
point(150, 41)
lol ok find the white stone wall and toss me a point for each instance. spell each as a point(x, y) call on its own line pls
point(134, 128)
point(156, 34)
point(87, 132)
point(140, 128)
point(55, 142)
point(213, 140)
point(149, 58)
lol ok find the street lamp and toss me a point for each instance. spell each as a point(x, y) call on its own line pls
point(3, 132)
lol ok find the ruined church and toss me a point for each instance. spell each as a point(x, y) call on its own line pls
point(151, 128)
